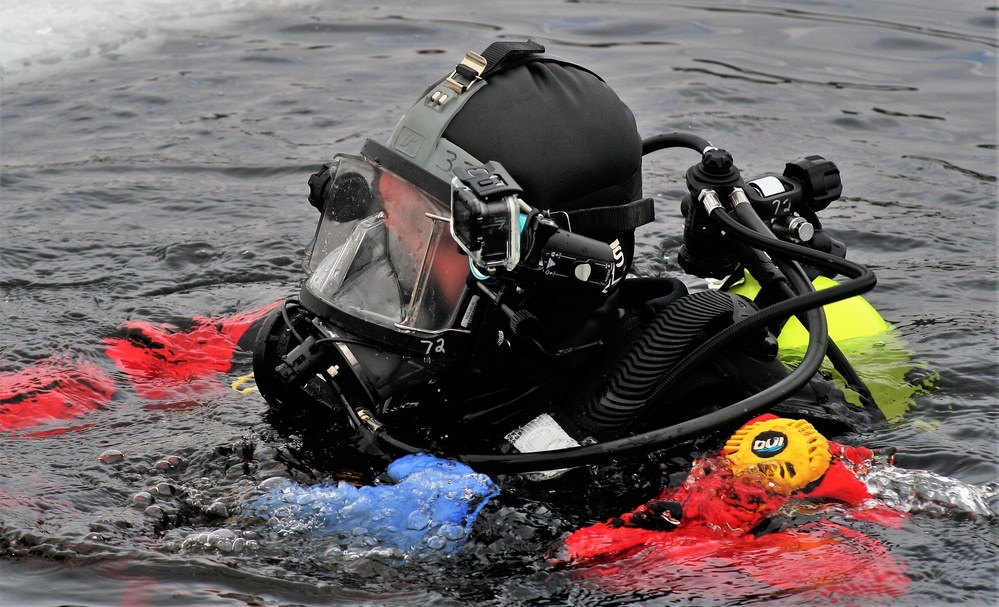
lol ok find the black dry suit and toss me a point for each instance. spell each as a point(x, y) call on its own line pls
point(545, 362)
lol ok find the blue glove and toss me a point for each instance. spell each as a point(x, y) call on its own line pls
point(429, 508)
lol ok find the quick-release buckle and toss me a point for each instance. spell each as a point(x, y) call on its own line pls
point(466, 73)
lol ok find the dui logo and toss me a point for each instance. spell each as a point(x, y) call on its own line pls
point(769, 443)
point(617, 272)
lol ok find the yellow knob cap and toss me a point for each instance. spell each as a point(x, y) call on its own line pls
point(789, 452)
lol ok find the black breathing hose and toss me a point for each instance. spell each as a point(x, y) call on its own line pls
point(799, 279)
point(675, 140)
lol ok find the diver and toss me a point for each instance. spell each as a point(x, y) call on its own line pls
point(468, 290)
point(469, 310)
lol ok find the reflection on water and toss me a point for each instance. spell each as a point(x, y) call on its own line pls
point(170, 184)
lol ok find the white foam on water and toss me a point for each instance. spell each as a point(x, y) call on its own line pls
point(925, 491)
point(39, 36)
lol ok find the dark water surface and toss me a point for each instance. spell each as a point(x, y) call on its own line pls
point(169, 182)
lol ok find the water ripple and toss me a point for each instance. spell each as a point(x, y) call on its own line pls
point(856, 20)
point(750, 75)
point(953, 167)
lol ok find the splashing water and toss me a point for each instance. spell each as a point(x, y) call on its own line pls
point(928, 492)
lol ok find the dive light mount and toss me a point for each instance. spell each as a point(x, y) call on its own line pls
point(508, 240)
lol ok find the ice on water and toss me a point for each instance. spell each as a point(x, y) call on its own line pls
point(35, 36)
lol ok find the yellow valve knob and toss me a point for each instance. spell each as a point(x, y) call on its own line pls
point(790, 453)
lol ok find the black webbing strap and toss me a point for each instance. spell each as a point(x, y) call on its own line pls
point(610, 219)
point(499, 55)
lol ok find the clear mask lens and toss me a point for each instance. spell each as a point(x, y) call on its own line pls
point(383, 251)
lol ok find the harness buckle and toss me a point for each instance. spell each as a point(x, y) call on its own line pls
point(466, 73)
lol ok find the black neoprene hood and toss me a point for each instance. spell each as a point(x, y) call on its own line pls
point(560, 131)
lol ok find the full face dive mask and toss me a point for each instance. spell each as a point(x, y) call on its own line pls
point(473, 197)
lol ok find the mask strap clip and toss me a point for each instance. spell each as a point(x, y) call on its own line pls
point(466, 73)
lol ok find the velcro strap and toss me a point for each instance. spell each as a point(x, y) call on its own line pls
point(618, 218)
